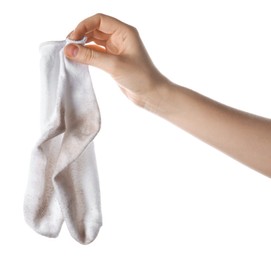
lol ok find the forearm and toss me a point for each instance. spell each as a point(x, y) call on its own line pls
point(241, 135)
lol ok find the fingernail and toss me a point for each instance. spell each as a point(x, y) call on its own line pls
point(72, 50)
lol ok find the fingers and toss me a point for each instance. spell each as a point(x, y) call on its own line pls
point(96, 48)
point(97, 37)
point(98, 29)
point(103, 23)
point(98, 42)
point(91, 55)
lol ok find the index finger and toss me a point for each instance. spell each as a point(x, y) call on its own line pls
point(101, 22)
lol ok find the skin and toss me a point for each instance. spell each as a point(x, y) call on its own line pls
point(117, 49)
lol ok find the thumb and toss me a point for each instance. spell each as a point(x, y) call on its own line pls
point(89, 56)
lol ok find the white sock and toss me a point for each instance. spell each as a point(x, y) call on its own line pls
point(63, 182)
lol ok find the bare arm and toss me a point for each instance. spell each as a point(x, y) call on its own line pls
point(241, 135)
point(120, 51)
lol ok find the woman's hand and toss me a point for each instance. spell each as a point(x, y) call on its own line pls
point(118, 50)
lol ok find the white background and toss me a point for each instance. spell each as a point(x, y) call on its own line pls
point(165, 194)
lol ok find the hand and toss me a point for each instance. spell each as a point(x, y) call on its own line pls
point(118, 50)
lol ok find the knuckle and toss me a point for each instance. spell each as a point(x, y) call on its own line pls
point(99, 15)
point(133, 30)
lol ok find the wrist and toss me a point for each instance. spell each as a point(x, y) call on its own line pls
point(157, 98)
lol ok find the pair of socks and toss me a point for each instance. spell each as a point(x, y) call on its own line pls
point(63, 183)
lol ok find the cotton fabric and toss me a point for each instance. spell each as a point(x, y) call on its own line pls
point(63, 183)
